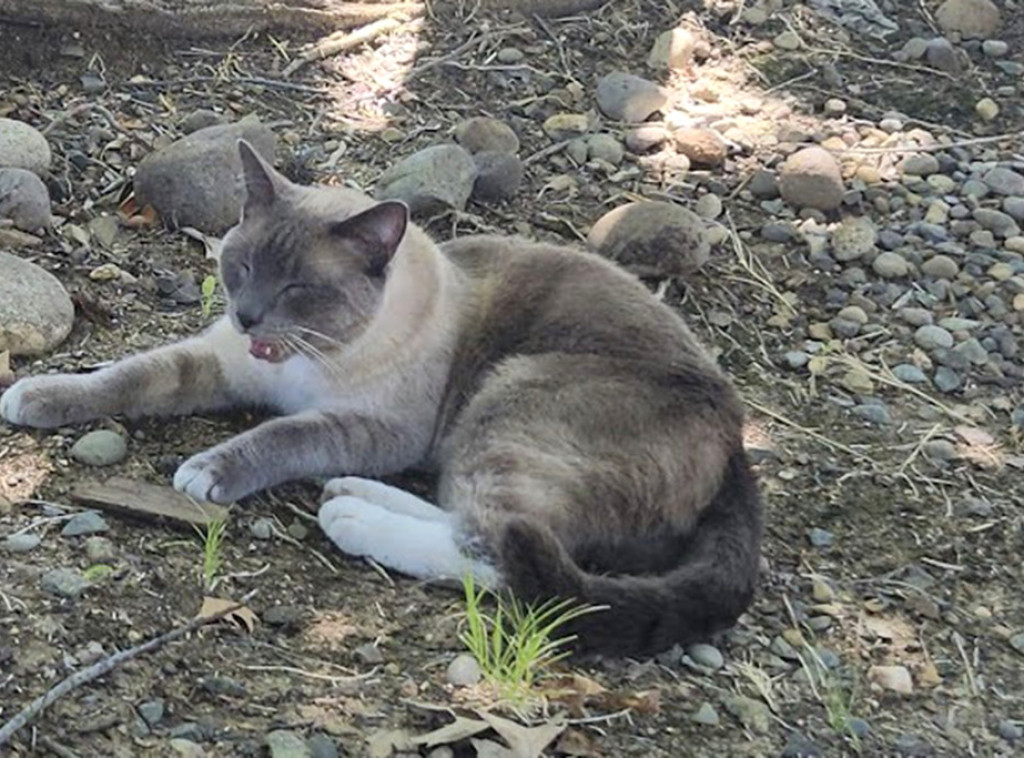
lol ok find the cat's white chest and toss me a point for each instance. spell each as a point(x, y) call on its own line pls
point(299, 384)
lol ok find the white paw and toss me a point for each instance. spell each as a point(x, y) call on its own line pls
point(209, 476)
point(351, 524)
point(392, 498)
point(37, 401)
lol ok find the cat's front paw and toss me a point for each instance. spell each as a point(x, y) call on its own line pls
point(215, 476)
point(44, 402)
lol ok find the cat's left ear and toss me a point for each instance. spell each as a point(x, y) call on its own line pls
point(377, 231)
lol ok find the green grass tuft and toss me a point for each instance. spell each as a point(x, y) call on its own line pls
point(213, 558)
point(208, 287)
point(516, 644)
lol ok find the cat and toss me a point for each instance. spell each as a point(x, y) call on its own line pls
point(585, 445)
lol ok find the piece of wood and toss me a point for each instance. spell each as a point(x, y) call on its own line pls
point(340, 42)
point(147, 501)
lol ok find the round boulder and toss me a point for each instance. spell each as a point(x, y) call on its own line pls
point(972, 18)
point(484, 134)
point(197, 180)
point(23, 146)
point(810, 178)
point(36, 313)
point(24, 199)
point(652, 238)
point(498, 175)
point(702, 146)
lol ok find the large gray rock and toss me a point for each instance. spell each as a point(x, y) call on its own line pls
point(1004, 181)
point(629, 98)
point(24, 199)
point(810, 178)
point(652, 238)
point(431, 180)
point(23, 146)
point(35, 311)
point(498, 176)
point(197, 180)
point(972, 18)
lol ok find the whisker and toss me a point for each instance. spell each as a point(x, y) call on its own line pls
point(321, 335)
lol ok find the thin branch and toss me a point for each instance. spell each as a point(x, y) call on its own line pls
point(104, 666)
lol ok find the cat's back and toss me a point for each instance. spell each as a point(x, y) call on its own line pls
point(526, 297)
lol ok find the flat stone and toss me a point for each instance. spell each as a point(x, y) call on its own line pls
point(152, 712)
point(65, 582)
point(322, 746)
point(1014, 207)
point(86, 522)
point(652, 237)
point(995, 48)
point(184, 748)
point(799, 746)
point(941, 54)
point(873, 413)
point(24, 199)
point(810, 178)
point(947, 380)
point(997, 222)
point(21, 543)
point(629, 98)
point(36, 312)
point(101, 447)
point(1011, 731)
point(1004, 181)
point(197, 180)
point(23, 146)
point(200, 119)
point(763, 185)
point(431, 180)
point(485, 134)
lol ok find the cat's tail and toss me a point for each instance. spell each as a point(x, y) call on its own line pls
point(707, 591)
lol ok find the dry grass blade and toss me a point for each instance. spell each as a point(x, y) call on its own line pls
point(818, 436)
point(758, 276)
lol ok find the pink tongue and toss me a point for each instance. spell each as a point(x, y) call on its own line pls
point(265, 351)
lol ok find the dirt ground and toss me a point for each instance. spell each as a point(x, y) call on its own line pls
point(923, 569)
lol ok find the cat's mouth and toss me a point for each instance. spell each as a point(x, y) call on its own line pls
point(270, 351)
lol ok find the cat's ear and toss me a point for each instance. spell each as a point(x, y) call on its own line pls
point(377, 231)
point(261, 183)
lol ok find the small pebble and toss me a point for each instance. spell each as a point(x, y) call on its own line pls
point(890, 265)
point(262, 528)
point(995, 48)
point(987, 109)
point(706, 715)
point(65, 582)
point(707, 656)
point(930, 337)
point(21, 543)
point(463, 671)
point(820, 537)
point(100, 448)
point(87, 522)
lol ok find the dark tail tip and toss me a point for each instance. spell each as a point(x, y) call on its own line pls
point(535, 564)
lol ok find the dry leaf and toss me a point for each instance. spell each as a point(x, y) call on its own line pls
point(128, 207)
point(146, 218)
point(574, 691)
point(458, 730)
point(523, 741)
point(646, 702)
point(243, 615)
point(490, 749)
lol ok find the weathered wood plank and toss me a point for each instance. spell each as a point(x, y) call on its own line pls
point(147, 501)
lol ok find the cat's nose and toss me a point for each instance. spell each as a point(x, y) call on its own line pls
point(246, 320)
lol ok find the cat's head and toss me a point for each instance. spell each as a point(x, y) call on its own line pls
point(304, 270)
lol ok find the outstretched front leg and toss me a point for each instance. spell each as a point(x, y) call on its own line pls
point(179, 379)
point(314, 443)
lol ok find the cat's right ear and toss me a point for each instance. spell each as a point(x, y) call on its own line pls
point(261, 185)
